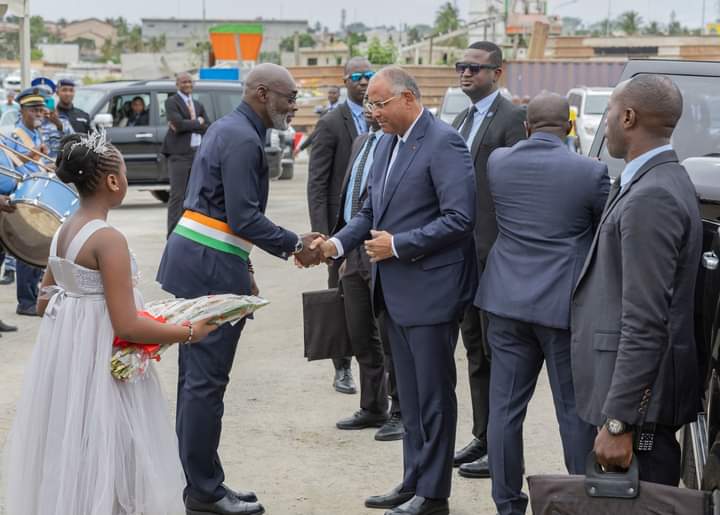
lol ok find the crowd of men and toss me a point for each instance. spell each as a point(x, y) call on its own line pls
point(496, 228)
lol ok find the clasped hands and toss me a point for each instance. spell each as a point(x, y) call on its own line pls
point(317, 248)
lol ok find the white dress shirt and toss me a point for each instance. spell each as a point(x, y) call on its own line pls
point(195, 138)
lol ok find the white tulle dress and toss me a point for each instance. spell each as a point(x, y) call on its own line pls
point(83, 443)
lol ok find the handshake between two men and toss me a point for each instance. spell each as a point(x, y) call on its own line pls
point(318, 248)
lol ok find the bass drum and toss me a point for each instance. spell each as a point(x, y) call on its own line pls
point(42, 204)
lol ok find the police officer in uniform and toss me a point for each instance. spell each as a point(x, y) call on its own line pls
point(208, 253)
point(78, 118)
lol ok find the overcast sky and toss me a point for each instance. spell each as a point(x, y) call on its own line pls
point(370, 12)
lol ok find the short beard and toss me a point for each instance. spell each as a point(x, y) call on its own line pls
point(279, 120)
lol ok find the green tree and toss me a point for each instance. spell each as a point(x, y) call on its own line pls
point(378, 53)
point(602, 28)
point(288, 43)
point(447, 18)
point(133, 42)
point(630, 22)
point(653, 29)
point(675, 28)
point(156, 44)
point(36, 54)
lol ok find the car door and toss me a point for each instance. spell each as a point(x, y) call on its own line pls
point(136, 136)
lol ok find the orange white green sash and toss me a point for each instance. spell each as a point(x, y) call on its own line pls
point(212, 233)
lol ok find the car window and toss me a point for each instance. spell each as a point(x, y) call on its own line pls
point(130, 110)
point(698, 132)
point(574, 100)
point(204, 97)
point(455, 103)
point(86, 98)
point(227, 101)
point(596, 104)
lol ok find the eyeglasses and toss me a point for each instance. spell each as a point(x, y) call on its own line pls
point(474, 68)
point(380, 104)
point(358, 76)
point(290, 97)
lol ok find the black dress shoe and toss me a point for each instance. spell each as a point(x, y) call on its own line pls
point(344, 381)
point(362, 419)
point(477, 469)
point(392, 430)
point(7, 328)
point(243, 496)
point(422, 506)
point(393, 498)
point(28, 312)
point(7, 278)
point(471, 452)
point(228, 505)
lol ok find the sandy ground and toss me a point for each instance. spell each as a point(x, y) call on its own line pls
point(279, 436)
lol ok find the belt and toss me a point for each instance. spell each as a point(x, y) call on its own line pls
point(212, 233)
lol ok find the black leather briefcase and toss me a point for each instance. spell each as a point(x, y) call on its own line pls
point(609, 493)
point(326, 334)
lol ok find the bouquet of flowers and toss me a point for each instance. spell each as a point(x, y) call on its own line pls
point(130, 360)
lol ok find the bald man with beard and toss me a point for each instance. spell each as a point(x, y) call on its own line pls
point(548, 201)
point(208, 253)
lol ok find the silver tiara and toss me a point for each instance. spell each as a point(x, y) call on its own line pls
point(95, 141)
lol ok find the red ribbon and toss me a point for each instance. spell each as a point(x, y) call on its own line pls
point(147, 348)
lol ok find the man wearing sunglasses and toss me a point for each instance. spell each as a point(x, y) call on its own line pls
point(332, 142)
point(490, 122)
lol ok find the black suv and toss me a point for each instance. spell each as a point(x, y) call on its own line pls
point(109, 105)
point(697, 142)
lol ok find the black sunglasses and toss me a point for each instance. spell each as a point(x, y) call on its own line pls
point(474, 68)
point(357, 76)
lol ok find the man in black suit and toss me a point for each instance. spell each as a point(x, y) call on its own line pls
point(368, 335)
point(548, 201)
point(490, 122)
point(187, 122)
point(331, 148)
point(634, 357)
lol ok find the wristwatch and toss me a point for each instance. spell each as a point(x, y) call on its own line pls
point(298, 246)
point(617, 427)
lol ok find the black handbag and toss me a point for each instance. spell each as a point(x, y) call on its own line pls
point(612, 493)
point(325, 329)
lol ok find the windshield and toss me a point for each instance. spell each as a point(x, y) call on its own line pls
point(596, 104)
point(86, 99)
point(698, 131)
point(455, 102)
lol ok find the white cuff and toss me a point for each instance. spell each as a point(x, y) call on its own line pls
point(392, 243)
point(338, 246)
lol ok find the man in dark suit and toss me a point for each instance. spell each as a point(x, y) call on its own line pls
point(208, 253)
point(635, 363)
point(332, 142)
point(548, 202)
point(187, 122)
point(367, 334)
point(419, 215)
point(491, 122)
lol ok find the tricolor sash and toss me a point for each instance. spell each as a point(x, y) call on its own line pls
point(212, 233)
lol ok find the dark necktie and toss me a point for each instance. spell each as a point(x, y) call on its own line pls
point(614, 190)
point(357, 185)
point(467, 125)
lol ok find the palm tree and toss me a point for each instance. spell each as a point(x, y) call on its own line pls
point(156, 44)
point(629, 22)
point(447, 18)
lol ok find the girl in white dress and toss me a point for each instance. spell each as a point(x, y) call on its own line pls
point(83, 443)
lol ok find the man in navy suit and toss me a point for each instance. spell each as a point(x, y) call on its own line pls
point(417, 224)
point(208, 253)
point(548, 202)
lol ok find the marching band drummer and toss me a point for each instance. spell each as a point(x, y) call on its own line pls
point(27, 136)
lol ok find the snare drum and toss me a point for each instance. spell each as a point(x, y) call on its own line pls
point(43, 203)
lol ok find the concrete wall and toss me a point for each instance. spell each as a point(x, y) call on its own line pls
point(155, 66)
point(60, 54)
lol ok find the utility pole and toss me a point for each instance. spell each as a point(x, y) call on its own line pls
point(25, 45)
point(609, 17)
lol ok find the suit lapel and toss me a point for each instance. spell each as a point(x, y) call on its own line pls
point(403, 160)
point(489, 117)
point(183, 106)
point(383, 152)
point(460, 119)
point(662, 158)
point(349, 122)
point(356, 152)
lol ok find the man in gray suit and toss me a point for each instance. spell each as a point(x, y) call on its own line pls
point(548, 201)
point(635, 364)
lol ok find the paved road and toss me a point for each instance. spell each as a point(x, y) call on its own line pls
point(279, 435)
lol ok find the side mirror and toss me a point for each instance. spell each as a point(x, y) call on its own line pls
point(103, 120)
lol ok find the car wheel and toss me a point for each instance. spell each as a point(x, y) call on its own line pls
point(162, 195)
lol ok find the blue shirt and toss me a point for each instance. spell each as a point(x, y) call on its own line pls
point(482, 107)
point(14, 143)
point(633, 166)
point(7, 184)
point(365, 172)
point(358, 114)
point(52, 136)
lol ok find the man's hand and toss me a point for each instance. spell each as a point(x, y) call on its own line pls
point(55, 119)
point(201, 120)
point(380, 247)
point(328, 248)
point(613, 452)
point(171, 126)
point(5, 205)
point(309, 255)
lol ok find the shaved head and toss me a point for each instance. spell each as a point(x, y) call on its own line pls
point(655, 98)
point(270, 75)
point(272, 93)
point(549, 112)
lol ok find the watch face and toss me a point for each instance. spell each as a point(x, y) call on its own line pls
point(615, 427)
